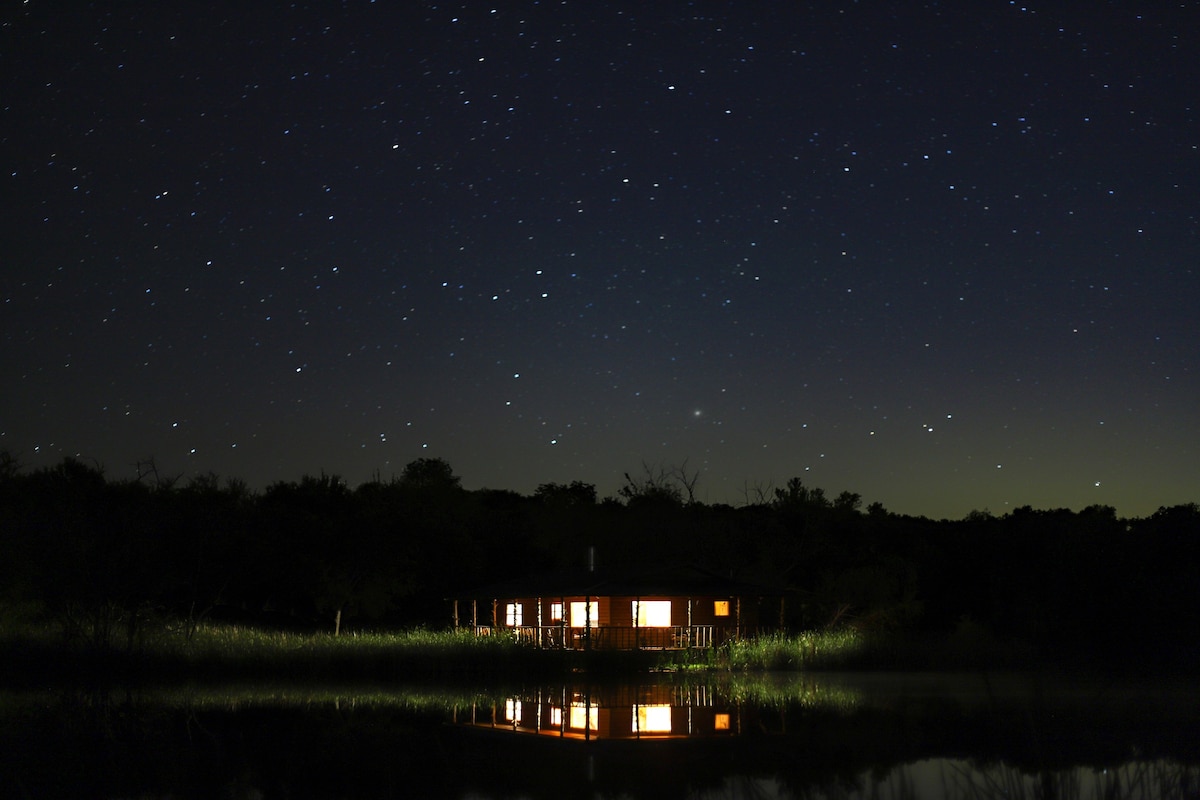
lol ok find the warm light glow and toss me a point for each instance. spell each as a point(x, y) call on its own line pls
point(652, 719)
point(721, 722)
point(652, 613)
point(556, 610)
point(513, 614)
point(721, 608)
point(583, 716)
point(581, 612)
point(512, 711)
point(555, 716)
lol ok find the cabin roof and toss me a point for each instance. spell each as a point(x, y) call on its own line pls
point(685, 579)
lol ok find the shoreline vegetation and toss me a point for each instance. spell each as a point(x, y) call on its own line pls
point(39, 656)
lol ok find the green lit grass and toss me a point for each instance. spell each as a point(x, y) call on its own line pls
point(809, 650)
point(233, 641)
point(849, 649)
point(356, 656)
point(167, 652)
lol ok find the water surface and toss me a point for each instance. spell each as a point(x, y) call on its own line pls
point(791, 736)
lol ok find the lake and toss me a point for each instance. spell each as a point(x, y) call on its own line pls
point(754, 736)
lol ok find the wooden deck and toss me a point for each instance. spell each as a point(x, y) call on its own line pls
point(674, 637)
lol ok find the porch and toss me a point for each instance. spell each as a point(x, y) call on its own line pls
point(560, 637)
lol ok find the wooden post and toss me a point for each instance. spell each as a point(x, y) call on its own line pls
point(587, 710)
point(456, 615)
point(587, 622)
point(637, 633)
point(689, 623)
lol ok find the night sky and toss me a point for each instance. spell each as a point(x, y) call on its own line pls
point(942, 255)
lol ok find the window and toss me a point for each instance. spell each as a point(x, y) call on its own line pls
point(556, 716)
point(585, 614)
point(584, 716)
point(556, 612)
point(721, 608)
point(512, 710)
point(512, 614)
point(652, 613)
point(721, 722)
point(652, 719)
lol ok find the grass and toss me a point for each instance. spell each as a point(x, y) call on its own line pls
point(163, 653)
point(169, 652)
point(236, 641)
point(849, 649)
point(809, 650)
point(419, 653)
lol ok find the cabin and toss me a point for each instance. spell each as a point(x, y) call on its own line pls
point(662, 608)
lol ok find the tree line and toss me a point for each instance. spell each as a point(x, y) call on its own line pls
point(104, 556)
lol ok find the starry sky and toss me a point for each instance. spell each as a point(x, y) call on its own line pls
point(943, 255)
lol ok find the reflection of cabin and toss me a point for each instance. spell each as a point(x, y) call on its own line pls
point(663, 608)
point(610, 712)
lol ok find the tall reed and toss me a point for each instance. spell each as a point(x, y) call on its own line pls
point(808, 650)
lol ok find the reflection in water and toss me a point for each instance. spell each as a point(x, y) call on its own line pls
point(851, 736)
point(820, 736)
point(957, 778)
point(646, 711)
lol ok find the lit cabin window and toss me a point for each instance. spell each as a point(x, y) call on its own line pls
point(721, 608)
point(556, 716)
point(583, 613)
point(513, 614)
point(652, 719)
point(652, 613)
point(512, 710)
point(556, 612)
point(721, 722)
point(584, 716)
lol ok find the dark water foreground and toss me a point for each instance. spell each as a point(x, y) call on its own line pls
point(824, 735)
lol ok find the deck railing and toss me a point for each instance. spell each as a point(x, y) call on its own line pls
point(674, 637)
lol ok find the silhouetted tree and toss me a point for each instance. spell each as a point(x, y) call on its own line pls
point(430, 475)
point(796, 494)
point(91, 551)
point(848, 502)
point(211, 525)
point(575, 495)
point(654, 485)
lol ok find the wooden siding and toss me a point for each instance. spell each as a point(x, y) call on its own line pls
point(614, 626)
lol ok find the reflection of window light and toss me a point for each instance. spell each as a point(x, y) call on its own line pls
point(721, 722)
point(652, 719)
point(721, 608)
point(652, 613)
point(556, 612)
point(583, 716)
point(583, 613)
point(512, 614)
point(555, 716)
point(512, 710)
